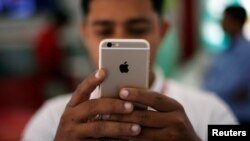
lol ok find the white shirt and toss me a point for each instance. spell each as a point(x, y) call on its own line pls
point(201, 108)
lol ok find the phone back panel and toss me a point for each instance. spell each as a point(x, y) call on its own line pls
point(126, 65)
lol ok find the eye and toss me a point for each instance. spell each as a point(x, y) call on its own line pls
point(104, 32)
point(138, 31)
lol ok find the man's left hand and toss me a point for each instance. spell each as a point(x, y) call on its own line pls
point(168, 122)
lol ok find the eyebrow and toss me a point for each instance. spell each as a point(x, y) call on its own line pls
point(130, 22)
point(140, 20)
point(103, 23)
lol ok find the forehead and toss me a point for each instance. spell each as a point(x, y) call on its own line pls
point(227, 16)
point(120, 10)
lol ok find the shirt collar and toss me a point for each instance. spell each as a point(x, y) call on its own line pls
point(158, 84)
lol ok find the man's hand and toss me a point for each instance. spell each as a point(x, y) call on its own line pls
point(76, 122)
point(168, 123)
point(120, 121)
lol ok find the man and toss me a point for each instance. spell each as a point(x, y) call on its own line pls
point(229, 74)
point(179, 114)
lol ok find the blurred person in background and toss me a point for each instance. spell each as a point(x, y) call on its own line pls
point(175, 112)
point(23, 86)
point(49, 51)
point(229, 73)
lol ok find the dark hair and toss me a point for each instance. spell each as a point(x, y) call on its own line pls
point(157, 5)
point(238, 13)
point(59, 17)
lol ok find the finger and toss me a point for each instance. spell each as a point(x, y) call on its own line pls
point(171, 134)
point(106, 139)
point(91, 108)
point(145, 118)
point(83, 91)
point(150, 134)
point(107, 129)
point(155, 100)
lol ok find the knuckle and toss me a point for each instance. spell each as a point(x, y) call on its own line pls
point(100, 129)
point(173, 136)
point(124, 130)
point(180, 124)
point(179, 106)
point(67, 127)
point(135, 93)
point(143, 117)
point(117, 107)
point(67, 119)
point(158, 99)
point(179, 117)
point(113, 105)
point(120, 129)
point(117, 118)
point(92, 106)
point(64, 119)
point(70, 132)
point(63, 122)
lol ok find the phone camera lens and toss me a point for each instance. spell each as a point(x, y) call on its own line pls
point(109, 44)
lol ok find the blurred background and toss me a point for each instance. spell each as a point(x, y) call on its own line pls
point(42, 55)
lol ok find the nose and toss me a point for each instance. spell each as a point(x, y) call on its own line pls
point(120, 33)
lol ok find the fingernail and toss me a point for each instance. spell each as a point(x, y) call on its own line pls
point(97, 74)
point(135, 128)
point(124, 93)
point(106, 117)
point(128, 106)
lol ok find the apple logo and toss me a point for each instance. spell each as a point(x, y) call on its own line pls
point(124, 68)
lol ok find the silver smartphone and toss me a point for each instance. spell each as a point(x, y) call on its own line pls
point(126, 62)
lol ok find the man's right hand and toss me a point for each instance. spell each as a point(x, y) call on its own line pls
point(76, 123)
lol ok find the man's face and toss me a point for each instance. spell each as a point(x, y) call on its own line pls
point(226, 23)
point(229, 24)
point(123, 19)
